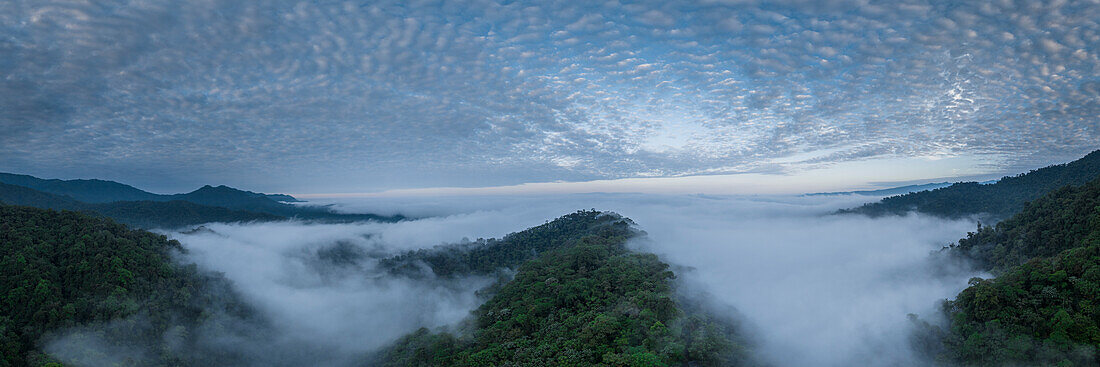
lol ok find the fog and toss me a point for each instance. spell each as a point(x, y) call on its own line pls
point(816, 289)
point(319, 282)
point(809, 287)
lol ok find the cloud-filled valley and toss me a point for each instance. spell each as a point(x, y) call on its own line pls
point(810, 288)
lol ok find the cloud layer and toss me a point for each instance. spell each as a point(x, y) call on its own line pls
point(814, 289)
point(811, 289)
point(480, 92)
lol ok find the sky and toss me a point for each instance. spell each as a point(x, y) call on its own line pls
point(316, 97)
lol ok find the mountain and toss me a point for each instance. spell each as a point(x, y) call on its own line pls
point(579, 297)
point(62, 270)
point(101, 191)
point(1043, 308)
point(215, 202)
point(890, 191)
point(990, 202)
point(283, 198)
point(228, 197)
point(141, 214)
point(88, 191)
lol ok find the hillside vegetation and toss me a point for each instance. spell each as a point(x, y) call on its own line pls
point(586, 302)
point(62, 270)
point(486, 256)
point(1043, 308)
point(991, 202)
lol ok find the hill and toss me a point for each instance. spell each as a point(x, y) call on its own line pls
point(1043, 308)
point(582, 299)
point(487, 256)
point(991, 202)
point(231, 198)
point(61, 270)
point(142, 214)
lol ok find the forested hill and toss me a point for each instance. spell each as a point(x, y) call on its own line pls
point(584, 300)
point(486, 256)
point(142, 214)
point(65, 269)
point(1043, 308)
point(993, 202)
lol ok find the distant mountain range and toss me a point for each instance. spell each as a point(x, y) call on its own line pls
point(990, 201)
point(887, 192)
point(102, 191)
point(140, 208)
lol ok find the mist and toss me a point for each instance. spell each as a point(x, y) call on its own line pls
point(809, 288)
point(813, 288)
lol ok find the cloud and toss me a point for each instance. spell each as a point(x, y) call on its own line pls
point(483, 92)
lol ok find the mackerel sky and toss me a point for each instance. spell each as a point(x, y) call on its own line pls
point(362, 96)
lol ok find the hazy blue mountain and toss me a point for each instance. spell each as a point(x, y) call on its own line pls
point(993, 201)
point(144, 213)
point(88, 191)
point(283, 198)
point(890, 191)
point(25, 196)
point(103, 192)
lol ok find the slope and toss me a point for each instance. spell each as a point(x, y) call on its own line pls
point(62, 270)
point(143, 214)
point(992, 202)
point(1043, 308)
point(88, 191)
point(586, 300)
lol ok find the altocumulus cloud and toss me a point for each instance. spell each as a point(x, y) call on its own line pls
point(479, 92)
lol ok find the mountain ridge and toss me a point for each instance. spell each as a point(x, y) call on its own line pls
point(134, 206)
point(988, 202)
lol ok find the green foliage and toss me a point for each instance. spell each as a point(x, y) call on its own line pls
point(1064, 219)
point(487, 256)
point(1044, 312)
point(1044, 306)
point(61, 270)
point(994, 201)
point(588, 303)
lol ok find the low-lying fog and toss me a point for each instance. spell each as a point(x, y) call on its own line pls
point(816, 289)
